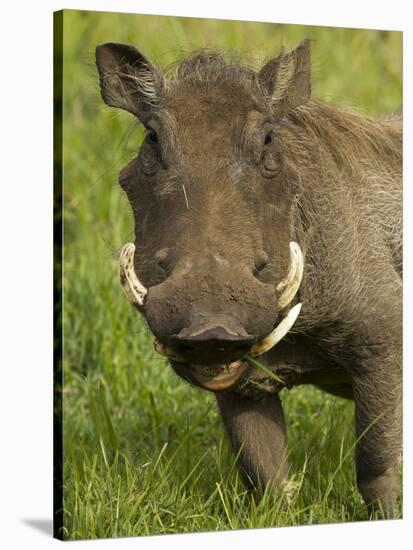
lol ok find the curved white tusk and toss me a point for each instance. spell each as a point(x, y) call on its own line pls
point(167, 352)
point(288, 287)
point(133, 288)
point(277, 334)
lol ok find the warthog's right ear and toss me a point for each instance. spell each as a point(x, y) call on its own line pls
point(127, 79)
point(287, 78)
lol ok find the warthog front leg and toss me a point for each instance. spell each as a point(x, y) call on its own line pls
point(378, 399)
point(258, 429)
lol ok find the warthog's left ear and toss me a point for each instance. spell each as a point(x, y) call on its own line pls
point(287, 78)
point(127, 79)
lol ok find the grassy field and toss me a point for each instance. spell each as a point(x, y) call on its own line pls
point(144, 453)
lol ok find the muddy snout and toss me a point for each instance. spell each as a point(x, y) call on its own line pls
point(209, 345)
point(207, 322)
point(211, 319)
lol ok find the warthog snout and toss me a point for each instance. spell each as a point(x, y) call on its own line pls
point(214, 316)
point(210, 312)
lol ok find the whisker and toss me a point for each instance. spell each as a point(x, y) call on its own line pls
point(186, 197)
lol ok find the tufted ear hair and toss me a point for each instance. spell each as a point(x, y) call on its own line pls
point(287, 78)
point(127, 79)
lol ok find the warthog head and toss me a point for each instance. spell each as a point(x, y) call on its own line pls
point(214, 267)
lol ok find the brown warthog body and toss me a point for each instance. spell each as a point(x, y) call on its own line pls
point(237, 164)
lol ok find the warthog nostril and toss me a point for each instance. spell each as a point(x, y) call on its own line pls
point(163, 260)
point(261, 262)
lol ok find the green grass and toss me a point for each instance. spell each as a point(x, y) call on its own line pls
point(145, 453)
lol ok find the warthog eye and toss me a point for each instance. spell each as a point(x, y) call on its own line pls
point(150, 155)
point(268, 139)
point(152, 135)
point(269, 157)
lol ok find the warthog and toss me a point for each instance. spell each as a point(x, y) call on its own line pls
point(260, 211)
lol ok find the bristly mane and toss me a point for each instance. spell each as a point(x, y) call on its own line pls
point(208, 65)
point(349, 136)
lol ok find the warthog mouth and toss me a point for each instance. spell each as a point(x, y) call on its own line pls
point(220, 377)
point(215, 378)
